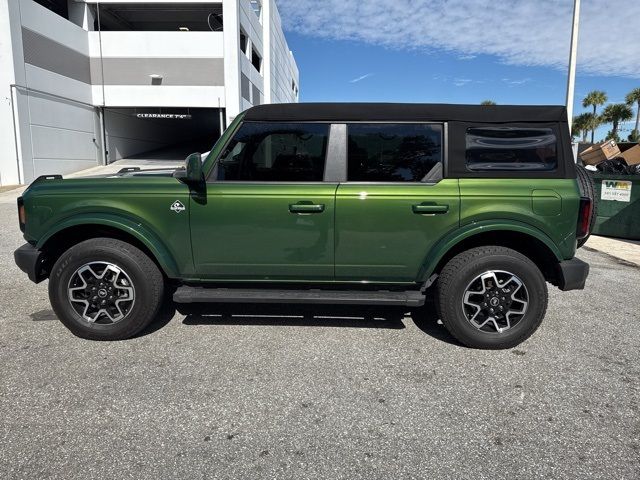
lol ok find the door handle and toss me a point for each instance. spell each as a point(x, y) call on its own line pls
point(306, 208)
point(429, 209)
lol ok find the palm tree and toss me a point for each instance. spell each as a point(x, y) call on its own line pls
point(594, 99)
point(583, 123)
point(616, 113)
point(634, 97)
point(488, 102)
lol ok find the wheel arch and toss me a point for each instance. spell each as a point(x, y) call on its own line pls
point(525, 239)
point(66, 234)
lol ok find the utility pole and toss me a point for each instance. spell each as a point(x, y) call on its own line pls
point(571, 81)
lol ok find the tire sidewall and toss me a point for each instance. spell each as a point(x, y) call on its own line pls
point(587, 188)
point(146, 296)
point(532, 279)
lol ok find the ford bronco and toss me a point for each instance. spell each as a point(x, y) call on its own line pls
point(475, 207)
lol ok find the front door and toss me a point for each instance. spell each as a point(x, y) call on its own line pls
point(266, 213)
point(395, 204)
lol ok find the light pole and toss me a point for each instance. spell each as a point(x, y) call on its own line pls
point(571, 81)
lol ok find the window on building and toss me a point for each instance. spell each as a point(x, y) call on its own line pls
point(161, 17)
point(256, 5)
point(59, 7)
point(511, 148)
point(256, 60)
point(275, 152)
point(394, 152)
point(244, 42)
point(255, 92)
point(245, 87)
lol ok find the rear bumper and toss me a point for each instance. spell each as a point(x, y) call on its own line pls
point(572, 274)
point(31, 261)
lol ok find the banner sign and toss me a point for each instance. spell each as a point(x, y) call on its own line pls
point(617, 190)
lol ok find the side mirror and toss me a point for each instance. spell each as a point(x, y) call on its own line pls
point(192, 173)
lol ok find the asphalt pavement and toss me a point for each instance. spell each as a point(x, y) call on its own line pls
point(322, 394)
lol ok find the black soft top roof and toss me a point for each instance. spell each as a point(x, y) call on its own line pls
point(405, 112)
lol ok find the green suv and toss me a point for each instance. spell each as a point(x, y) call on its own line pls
point(475, 207)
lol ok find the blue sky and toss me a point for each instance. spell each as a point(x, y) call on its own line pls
point(345, 52)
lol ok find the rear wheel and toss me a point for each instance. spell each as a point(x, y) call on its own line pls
point(105, 289)
point(587, 189)
point(491, 297)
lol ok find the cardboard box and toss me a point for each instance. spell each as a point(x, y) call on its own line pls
point(632, 156)
point(599, 153)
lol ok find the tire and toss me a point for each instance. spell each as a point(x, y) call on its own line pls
point(461, 274)
point(131, 283)
point(587, 189)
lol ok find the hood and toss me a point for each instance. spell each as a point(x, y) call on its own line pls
point(138, 172)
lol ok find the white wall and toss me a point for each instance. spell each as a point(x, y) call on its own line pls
point(252, 25)
point(282, 68)
point(190, 64)
point(8, 155)
point(58, 125)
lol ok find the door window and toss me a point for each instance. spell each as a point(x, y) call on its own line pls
point(275, 152)
point(394, 152)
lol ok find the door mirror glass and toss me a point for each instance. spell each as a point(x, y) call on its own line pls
point(192, 172)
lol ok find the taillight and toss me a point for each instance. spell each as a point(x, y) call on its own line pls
point(584, 217)
point(22, 216)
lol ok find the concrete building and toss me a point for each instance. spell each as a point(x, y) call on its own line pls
point(87, 82)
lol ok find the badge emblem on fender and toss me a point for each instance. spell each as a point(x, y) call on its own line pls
point(177, 207)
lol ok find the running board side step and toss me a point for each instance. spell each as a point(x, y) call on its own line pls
point(408, 298)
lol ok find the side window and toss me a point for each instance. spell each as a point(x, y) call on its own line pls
point(275, 152)
point(394, 152)
point(511, 148)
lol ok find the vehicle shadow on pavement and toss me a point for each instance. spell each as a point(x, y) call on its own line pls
point(43, 315)
point(294, 316)
point(163, 317)
point(426, 319)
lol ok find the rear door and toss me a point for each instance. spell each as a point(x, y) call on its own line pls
point(267, 214)
point(395, 204)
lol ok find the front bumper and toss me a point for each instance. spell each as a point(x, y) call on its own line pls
point(572, 274)
point(31, 261)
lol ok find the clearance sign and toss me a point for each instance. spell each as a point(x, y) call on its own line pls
point(617, 190)
point(171, 116)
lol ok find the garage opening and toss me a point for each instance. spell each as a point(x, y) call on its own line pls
point(168, 134)
point(160, 17)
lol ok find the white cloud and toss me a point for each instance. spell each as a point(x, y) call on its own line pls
point(512, 82)
point(518, 32)
point(358, 79)
point(461, 82)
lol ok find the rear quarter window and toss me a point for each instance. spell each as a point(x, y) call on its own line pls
point(511, 149)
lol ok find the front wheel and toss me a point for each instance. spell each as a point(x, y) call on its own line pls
point(105, 289)
point(491, 297)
